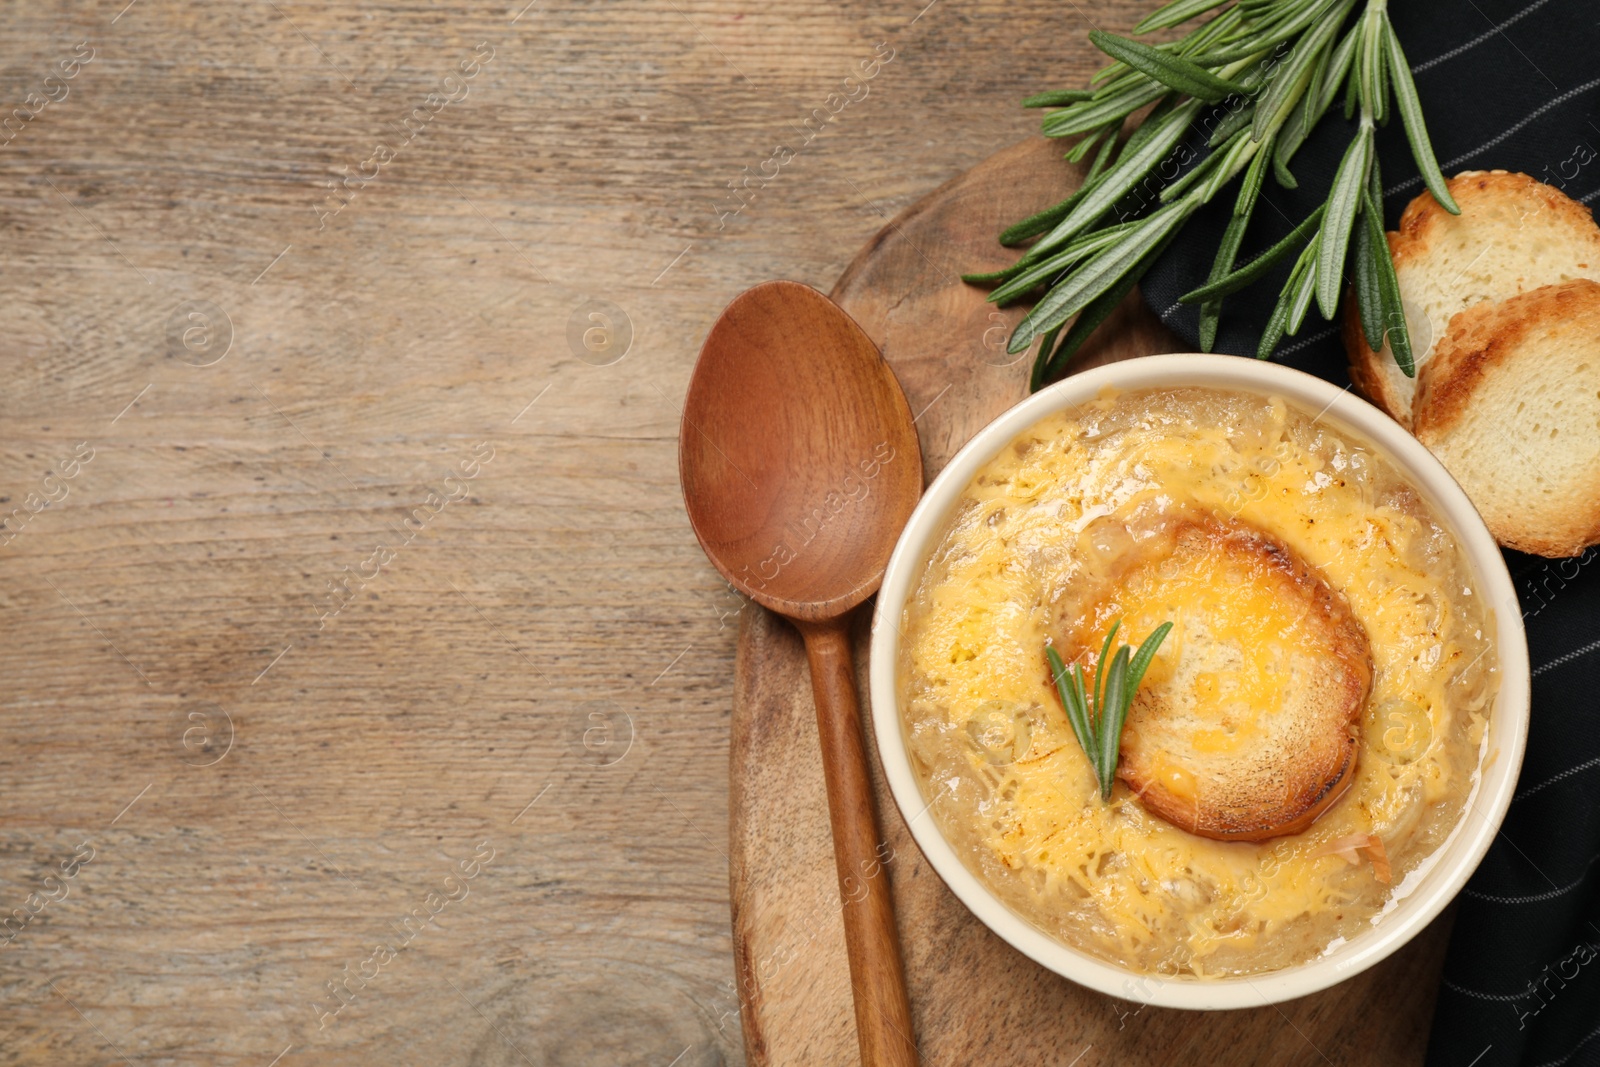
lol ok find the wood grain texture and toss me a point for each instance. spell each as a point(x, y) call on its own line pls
point(974, 999)
point(555, 627)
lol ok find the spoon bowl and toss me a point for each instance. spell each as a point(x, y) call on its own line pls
point(798, 457)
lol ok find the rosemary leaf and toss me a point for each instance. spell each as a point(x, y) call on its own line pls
point(1153, 124)
point(1236, 158)
point(1280, 171)
point(1107, 147)
point(1081, 149)
point(1217, 29)
point(1319, 95)
point(1306, 286)
point(1299, 17)
point(1367, 66)
point(1350, 92)
point(1089, 319)
point(1033, 226)
point(1132, 166)
point(1279, 319)
point(1394, 313)
point(1052, 360)
point(1201, 170)
point(1175, 72)
point(1272, 332)
point(1143, 657)
point(1100, 671)
point(1127, 677)
point(988, 277)
point(1369, 298)
point(1112, 75)
point(1211, 310)
point(1174, 13)
point(1072, 701)
point(1098, 715)
point(1380, 75)
point(1344, 200)
point(1102, 272)
point(1258, 266)
point(1410, 108)
point(1303, 117)
point(1232, 237)
point(1117, 106)
point(1113, 711)
point(1250, 189)
point(1079, 250)
point(1231, 125)
point(1338, 68)
point(1047, 343)
point(1058, 98)
point(1294, 74)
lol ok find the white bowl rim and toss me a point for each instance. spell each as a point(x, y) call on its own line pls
point(1454, 860)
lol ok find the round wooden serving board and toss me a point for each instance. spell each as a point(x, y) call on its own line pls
point(975, 999)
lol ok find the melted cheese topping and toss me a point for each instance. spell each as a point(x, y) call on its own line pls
point(1249, 631)
point(1047, 520)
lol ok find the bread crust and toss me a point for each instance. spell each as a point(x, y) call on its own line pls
point(1482, 338)
point(1366, 366)
point(1482, 344)
point(1371, 371)
point(1312, 757)
point(1424, 212)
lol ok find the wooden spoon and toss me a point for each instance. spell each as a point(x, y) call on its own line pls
point(800, 466)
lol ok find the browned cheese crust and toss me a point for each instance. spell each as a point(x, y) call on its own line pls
point(1302, 755)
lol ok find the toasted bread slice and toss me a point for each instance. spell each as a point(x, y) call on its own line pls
point(1513, 234)
point(1246, 725)
point(1511, 406)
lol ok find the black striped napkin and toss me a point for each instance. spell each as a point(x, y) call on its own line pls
point(1509, 85)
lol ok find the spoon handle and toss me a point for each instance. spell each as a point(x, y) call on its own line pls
point(883, 1011)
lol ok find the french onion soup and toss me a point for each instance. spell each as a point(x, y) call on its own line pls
point(1304, 737)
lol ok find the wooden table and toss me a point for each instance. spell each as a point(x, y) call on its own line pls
point(365, 693)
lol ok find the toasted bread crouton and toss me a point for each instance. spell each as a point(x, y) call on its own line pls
point(1511, 406)
point(1246, 725)
point(1513, 234)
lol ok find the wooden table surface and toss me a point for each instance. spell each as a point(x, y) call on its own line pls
point(365, 692)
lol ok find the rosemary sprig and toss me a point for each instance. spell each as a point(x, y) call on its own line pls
point(1097, 715)
point(1276, 66)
